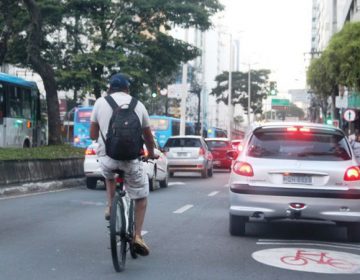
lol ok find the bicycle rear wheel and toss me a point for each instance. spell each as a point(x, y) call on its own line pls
point(132, 228)
point(118, 240)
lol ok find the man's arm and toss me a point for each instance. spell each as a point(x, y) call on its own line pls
point(94, 131)
point(149, 142)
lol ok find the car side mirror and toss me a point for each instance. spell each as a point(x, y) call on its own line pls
point(232, 154)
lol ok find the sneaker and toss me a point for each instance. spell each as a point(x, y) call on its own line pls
point(140, 247)
point(107, 213)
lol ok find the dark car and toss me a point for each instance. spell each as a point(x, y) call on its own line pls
point(219, 148)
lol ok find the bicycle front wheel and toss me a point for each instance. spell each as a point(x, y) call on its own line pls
point(118, 233)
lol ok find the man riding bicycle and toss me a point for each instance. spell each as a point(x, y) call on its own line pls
point(136, 180)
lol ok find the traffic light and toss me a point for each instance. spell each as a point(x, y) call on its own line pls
point(273, 88)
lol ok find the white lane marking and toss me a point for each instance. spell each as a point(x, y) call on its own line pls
point(318, 242)
point(213, 193)
point(175, 183)
point(143, 232)
point(308, 244)
point(183, 209)
point(310, 260)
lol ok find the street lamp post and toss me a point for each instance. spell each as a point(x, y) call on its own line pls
point(249, 95)
point(230, 107)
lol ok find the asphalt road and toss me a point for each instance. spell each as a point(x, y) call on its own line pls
point(63, 235)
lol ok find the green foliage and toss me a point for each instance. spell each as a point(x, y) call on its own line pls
point(239, 93)
point(44, 152)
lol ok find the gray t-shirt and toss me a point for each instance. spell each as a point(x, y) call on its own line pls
point(102, 112)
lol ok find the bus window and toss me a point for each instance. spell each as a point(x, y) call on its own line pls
point(26, 103)
point(2, 103)
point(14, 102)
point(175, 125)
point(83, 116)
point(159, 124)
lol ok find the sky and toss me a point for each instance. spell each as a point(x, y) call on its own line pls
point(273, 34)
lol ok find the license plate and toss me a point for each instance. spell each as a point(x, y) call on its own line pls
point(182, 154)
point(297, 179)
point(217, 162)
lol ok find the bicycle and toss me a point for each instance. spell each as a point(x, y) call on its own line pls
point(121, 224)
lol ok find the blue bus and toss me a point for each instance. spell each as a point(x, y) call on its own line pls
point(164, 127)
point(20, 115)
point(214, 132)
point(82, 126)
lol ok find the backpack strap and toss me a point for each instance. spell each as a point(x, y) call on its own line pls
point(111, 102)
point(132, 104)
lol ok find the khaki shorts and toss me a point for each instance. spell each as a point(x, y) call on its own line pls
point(136, 179)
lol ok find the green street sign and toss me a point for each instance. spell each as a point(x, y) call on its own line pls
point(280, 104)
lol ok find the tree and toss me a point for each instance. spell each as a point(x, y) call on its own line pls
point(78, 44)
point(239, 92)
point(130, 36)
point(44, 68)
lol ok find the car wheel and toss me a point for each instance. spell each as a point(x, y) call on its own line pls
point(91, 183)
point(353, 232)
point(204, 173)
point(237, 225)
point(164, 183)
point(210, 172)
point(152, 181)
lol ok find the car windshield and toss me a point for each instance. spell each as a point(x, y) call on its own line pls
point(217, 144)
point(316, 145)
point(183, 142)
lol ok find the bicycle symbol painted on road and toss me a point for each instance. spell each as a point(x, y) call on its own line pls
point(310, 260)
point(303, 257)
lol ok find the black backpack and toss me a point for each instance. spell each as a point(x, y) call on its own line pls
point(124, 136)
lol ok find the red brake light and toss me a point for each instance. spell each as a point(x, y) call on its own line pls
point(90, 151)
point(240, 147)
point(297, 129)
point(352, 174)
point(243, 169)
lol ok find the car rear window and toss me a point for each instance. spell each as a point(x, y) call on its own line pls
point(183, 142)
point(317, 145)
point(217, 144)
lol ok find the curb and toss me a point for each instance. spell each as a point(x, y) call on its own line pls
point(41, 187)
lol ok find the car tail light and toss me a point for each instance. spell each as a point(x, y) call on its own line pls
point(243, 169)
point(298, 129)
point(90, 152)
point(201, 151)
point(240, 147)
point(352, 174)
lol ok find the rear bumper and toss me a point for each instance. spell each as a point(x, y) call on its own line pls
point(337, 206)
point(222, 163)
point(271, 191)
point(195, 165)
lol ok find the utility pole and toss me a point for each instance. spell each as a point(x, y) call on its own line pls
point(230, 107)
point(249, 95)
point(184, 91)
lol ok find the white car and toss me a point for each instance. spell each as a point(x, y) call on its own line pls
point(157, 170)
point(295, 171)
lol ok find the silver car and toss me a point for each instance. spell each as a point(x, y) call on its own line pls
point(295, 171)
point(189, 154)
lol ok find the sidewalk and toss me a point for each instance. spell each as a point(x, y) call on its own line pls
point(43, 186)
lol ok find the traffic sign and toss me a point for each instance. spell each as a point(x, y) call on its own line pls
point(349, 115)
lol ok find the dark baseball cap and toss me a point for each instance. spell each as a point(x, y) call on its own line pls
point(119, 81)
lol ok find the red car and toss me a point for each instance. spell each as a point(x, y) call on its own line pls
point(218, 148)
point(237, 144)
